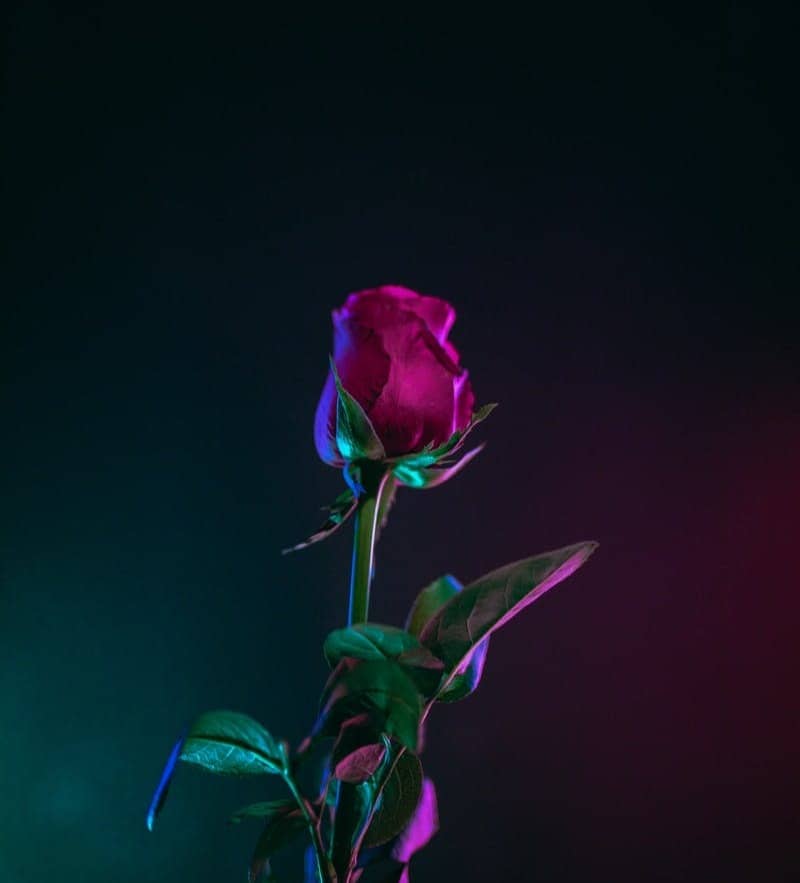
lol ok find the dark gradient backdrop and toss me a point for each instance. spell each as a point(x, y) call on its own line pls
point(610, 201)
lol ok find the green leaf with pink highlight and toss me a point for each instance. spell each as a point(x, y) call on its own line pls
point(465, 679)
point(479, 609)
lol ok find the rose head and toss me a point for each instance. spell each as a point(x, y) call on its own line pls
point(392, 355)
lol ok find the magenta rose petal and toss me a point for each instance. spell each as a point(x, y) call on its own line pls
point(416, 405)
point(394, 359)
point(437, 314)
point(464, 403)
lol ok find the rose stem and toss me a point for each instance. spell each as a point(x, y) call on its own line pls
point(375, 481)
point(363, 564)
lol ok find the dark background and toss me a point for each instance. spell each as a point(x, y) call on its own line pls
point(608, 197)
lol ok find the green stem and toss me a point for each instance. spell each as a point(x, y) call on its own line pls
point(325, 871)
point(363, 564)
point(348, 815)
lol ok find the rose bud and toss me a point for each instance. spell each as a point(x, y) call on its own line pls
point(396, 395)
point(392, 355)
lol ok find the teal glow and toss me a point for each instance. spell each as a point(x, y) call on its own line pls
point(409, 476)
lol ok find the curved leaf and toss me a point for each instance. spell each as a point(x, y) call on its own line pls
point(372, 642)
point(262, 810)
point(360, 764)
point(398, 801)
point(231, 743)
point(367, 641)
point(353, 808)
point(423, 668)
point(358, 752)
point(429, 601)
point(379, 687)
point(423, 824)
point(280, 830)
point(485, 605)
point(465, 679)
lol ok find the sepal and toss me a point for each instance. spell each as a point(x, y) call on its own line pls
point(356, 438)
point(338, 512)
point(431, 466)
point(430, 455)
point(423, 478)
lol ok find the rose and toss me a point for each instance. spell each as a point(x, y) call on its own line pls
point(392, 355)
point(397, 406)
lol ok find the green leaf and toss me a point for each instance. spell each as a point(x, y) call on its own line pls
point(465, 679)
point(279, 831)
point(421, 827)
point(477, 417)
point(379, 687)
point(359, 751)
point(398, 801)
point(430, 600)
point(360, 763)
point(423, 668)
point(262, 810)
point(369, 641)
point(356, 438)
point(232, 743)
point(488, 603)
point(353, 809)
point(481, 414)
point(339, 511)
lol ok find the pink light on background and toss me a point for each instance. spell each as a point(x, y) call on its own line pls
point(649, 698)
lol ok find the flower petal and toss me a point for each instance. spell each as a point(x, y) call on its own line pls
point(416, 405)
point(437, 314)
point(464, 403)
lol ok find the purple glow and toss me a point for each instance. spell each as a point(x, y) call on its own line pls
point(423, 825)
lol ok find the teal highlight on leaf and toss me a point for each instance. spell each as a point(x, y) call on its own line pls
point(231, 743)
point(410, 476)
